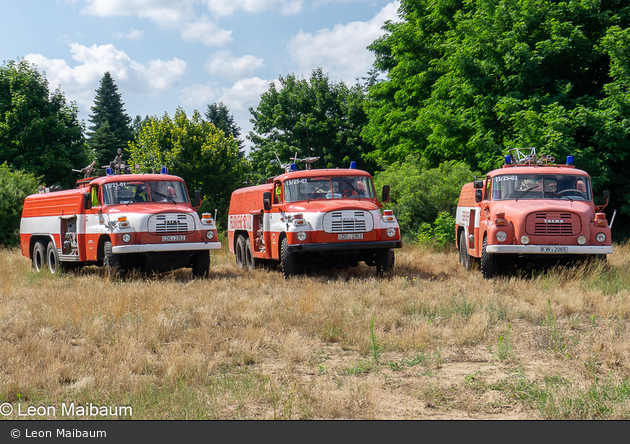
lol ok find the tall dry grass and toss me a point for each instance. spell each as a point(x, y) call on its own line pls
point(432, 341)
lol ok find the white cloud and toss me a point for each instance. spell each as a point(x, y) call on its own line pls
point(228, 7)
point(224, 64)
point(244, 93)
point(205, 31)
point(179, 15)
point(341, 52)
point(133, 34)
point(80, 82)
point(198, 95)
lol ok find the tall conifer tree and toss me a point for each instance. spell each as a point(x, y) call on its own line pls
point(110, 127)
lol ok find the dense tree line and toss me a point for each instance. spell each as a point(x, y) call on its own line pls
point(455, 84)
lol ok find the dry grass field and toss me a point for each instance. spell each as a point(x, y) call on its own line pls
point(433, 341)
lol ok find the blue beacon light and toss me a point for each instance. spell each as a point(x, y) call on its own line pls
point(293, 167)
point(353, 165)
point(164, 170)
point(569, 160)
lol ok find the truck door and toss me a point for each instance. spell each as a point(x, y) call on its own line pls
point(93, 224)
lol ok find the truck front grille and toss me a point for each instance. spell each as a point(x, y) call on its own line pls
point(348, 221)
point(553, 224)
point(171, 223)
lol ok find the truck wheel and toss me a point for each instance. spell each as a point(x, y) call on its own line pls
point(250, 260)
point(464, 257)
point(39, 257)
point(240, 251)
point(52, 257)
point(488, 261)
point(111, 261)
point(201, 264)
point(384, 261)
point(289, 261)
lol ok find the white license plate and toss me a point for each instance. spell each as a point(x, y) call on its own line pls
point(178, 238)
point(554, 249)
point(350, 236)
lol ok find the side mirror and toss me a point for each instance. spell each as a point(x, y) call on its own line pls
point(267, 200)
point(385, 197)
point(478, 184)
point(478, 195)
point(197, 198)
point(606, 196)
point(87, 202)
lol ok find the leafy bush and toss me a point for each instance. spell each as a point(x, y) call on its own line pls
point(419, 194)
point(440, 234)
point(14, 187)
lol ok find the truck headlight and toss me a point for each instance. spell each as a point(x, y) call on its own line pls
point(525, 240)
point(126, 237)
point(210, 235)
point(501, 236)
point(391, 232)
point(581, 240)
point(301, 235)
point(601, 237)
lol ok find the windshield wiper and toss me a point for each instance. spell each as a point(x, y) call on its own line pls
point(164, 195)
point(558, 195)
point(353, 188)
point(527, 191)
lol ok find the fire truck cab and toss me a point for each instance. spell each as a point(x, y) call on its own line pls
point(530, 212)
point(323, 217)
point(120, 221)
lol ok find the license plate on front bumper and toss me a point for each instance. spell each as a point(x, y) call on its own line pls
point(178, 238)
point(350, 236)
point(554, 249)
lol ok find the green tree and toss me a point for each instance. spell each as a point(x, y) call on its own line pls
point(110, 129)
point(14, 187)
point(39, 132)
point(420, 193)
point(195, 150)
point(219, 115)
point(310, 118)
point(468, 80)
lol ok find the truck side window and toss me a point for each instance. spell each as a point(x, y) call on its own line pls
point(277, 193)
point(94, 196)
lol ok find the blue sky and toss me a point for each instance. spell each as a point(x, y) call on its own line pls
point(168, 53)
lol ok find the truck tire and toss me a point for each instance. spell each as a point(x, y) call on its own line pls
point(289, 261)
point(464, 257)
point(250, 260)
point(240, 251)
point(201, 264)
point(39, 257)
point(384, 261)
point(52, 258)
point(111, 261)
point(488, 261)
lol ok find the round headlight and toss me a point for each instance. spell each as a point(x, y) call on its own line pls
point(581, 240)
point(501, 236)
point(601, 237)
point(391, 232)
point(301, 235)
point(210, 234)
point(126, 237)
point(525, 240)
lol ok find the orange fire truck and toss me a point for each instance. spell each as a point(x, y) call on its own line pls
point(119, 221)
point(313, 217)
point(530, 212)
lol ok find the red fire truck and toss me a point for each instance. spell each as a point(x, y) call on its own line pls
point(313, 217)
point(119, 221)
point(530, 212)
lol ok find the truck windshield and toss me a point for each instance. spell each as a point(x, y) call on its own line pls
point(116, 193)
point(328, 187)
point(541, 186)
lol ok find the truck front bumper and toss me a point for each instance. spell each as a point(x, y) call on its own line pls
point(549, 249)
point(345, 246)
point(153, 248)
